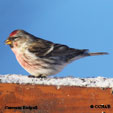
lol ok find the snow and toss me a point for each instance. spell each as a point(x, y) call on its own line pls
point(67, 81)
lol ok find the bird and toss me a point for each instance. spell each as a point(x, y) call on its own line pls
point(40, 57)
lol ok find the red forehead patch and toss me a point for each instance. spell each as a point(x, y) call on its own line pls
point(13, 33)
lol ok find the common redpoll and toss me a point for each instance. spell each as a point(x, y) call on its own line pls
point(41, 57)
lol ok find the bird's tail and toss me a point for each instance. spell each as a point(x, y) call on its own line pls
point(83, 53)
point(86, 53)
point(97, 53)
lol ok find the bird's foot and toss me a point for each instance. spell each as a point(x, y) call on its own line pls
point(40, 76)
point(32, 76)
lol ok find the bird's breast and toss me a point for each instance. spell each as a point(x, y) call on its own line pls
point(36, 65)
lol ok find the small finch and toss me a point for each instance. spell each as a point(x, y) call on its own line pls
point(40, 57)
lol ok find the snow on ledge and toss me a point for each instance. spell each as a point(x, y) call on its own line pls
point(67, 81)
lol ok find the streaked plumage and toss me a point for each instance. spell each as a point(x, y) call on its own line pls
point(41, 57)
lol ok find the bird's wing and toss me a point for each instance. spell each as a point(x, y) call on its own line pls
point(43, 48)
point(64, 50)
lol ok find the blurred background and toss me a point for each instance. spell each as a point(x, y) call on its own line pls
point(82, 24)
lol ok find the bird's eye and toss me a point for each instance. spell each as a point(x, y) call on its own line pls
point(14, 38)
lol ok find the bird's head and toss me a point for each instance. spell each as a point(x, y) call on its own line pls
point(17, 38)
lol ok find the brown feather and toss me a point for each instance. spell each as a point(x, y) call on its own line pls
point(98, 53)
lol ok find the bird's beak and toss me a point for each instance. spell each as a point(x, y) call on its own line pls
point(8, 42)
